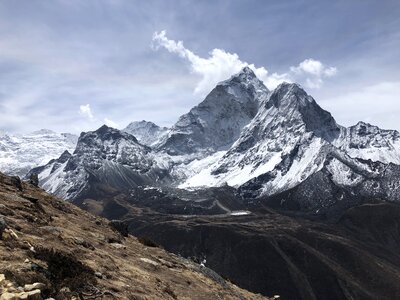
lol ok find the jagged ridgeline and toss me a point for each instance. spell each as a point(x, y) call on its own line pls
point(278, 147)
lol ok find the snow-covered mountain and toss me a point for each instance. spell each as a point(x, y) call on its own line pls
point(147, 133)
point(106, 155)
point(290, 139)
point(217, 121)
point(264, 143)
point(289, 123)
point(20, 153)
point(366, 141)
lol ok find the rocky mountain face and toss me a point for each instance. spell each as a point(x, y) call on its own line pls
point(21, 153)
point(366, 141)
point(288, 121)
point(291, 139)
point(147, 133)
point(106, 155)
point(217, 121)
point(338, 185)
point(262, 143)
point(51, 249)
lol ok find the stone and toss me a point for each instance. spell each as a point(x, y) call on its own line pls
point(34, 179)
point(2, 278)
point(65, 290)
point(3, 225)
point(149, 261)
point(98, 275)
point(117, 246)
point(79, 241)
point(16, 181)
point(35, 295)
point(120, 226)
point(31, 295)
point(12, 233)
point(8, 296)
point(23, 296)
point(52, 229)
point(82, 242)
point(34, 286)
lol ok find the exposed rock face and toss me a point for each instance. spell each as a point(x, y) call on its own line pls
point(147, 133)
point(290, 139)
point(336, 187)
point(366, 141)
point(217, 121)
point(289, 125)
point(105, 155)
point(34, 179)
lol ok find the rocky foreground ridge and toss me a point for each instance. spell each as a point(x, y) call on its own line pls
point(52, 249)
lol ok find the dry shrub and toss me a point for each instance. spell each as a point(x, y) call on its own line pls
point(147, 242)
point(65, 270)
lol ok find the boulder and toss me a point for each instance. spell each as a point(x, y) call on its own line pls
point(3, 225)
point(8, 296)
point(120, 226)
point(34, 286)
point(16, 181)
point(34, 179)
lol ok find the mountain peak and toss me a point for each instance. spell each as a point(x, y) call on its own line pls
point(146, 132)
point(43, 132)
point(286, 94)
point(247, 78)
point(290, 104)
point(244, 74)
point(248, 71)
point(105, 133)
point(141, 124)
point(363, 124)
point(290, 87)
point(64, 156)
point(104, 128)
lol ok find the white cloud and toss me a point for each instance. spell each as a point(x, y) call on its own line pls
point(110, 123)
point(84, 110)
point(314, 71)
point(220, 65)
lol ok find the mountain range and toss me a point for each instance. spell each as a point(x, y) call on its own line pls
point(19, 153)
point(268, 145)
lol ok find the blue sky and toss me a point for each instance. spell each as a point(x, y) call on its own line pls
point(72, 65)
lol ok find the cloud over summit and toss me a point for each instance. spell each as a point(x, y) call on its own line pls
point(221, 65)
point(86, 111)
